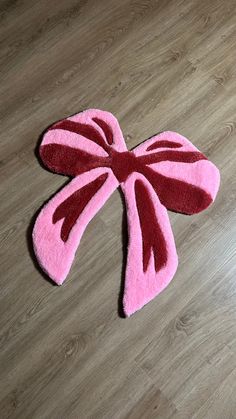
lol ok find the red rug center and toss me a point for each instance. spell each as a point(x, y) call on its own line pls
point(123, 164)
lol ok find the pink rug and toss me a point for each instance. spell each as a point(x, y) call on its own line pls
point(164, 172)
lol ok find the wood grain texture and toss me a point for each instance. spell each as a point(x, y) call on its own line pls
point(65, 352)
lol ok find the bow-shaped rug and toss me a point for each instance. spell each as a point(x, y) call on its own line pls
point(165, 171)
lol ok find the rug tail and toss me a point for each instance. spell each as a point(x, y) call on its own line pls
point(62, 221)
point(152, 259)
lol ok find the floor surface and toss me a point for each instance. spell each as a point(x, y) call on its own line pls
point(65, 352)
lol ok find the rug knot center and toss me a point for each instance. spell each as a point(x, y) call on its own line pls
point(123, 164)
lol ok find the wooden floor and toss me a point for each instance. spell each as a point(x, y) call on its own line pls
point(65, 352)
